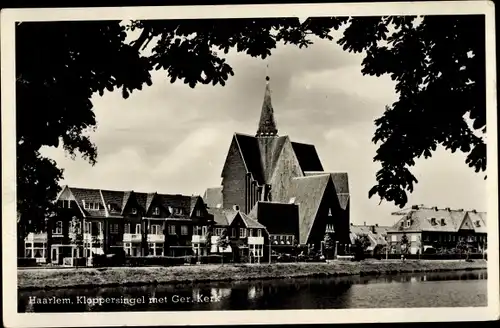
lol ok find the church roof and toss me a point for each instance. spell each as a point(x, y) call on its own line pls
point(307, 156)
point(308, 193)
point(213, 196)
point(267, 123)
point(250, 151)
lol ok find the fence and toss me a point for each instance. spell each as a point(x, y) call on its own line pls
point(473, 256)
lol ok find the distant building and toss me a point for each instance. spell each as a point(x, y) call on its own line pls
point(440, 229)
point(375, 233)
point(264, 174)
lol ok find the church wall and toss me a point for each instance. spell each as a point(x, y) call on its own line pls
point(233, 179)
point(287, 168)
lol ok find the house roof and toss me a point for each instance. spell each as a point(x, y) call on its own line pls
point(222, 216)
point(308, 193)
point(341, 183)
point(278, 218)
point(119, 199)
point(478, 220)
point(213, 196)
point(250, 222)
point(421, 219)
point(89, 196)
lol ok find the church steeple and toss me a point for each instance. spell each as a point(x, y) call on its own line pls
point(267, 123)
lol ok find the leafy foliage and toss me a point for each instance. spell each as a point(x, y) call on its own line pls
point(405, 244)
point(329, 242)
point(438, 66)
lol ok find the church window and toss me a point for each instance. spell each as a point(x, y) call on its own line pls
point(329, 212)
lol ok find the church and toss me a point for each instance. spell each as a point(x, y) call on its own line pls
point(282, 185)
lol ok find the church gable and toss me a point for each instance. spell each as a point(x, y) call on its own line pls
point(286, 168)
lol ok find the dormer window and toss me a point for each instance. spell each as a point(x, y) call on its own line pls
point(443, 222)
point(93, 206)
point(156, 211)
point(433, 221)
point(408, 223)
point(134, 210)
point(478, 223)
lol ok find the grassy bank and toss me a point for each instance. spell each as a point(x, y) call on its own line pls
point(87, 277)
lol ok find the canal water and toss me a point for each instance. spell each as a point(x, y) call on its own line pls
point(446, 289)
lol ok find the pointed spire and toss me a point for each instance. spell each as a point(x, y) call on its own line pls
point(267, 123)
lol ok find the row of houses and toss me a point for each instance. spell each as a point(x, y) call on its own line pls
point(421, 229)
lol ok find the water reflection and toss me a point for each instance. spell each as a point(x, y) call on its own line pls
point(466, 288)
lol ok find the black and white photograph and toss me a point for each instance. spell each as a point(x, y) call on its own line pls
point(307, 163)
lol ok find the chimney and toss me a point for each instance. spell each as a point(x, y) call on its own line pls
point(435, 208)
point(448, 209)
point(376, 224)
point(352, 224)
point(364, 223)
point(474, 211)
point(236, 208)
point(414, 207)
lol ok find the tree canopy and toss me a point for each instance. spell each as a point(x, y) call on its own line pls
point(438, 64)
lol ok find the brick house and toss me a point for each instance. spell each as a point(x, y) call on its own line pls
point(440, 229)
point(271, 168)
point(142, 224)
point(375, 233)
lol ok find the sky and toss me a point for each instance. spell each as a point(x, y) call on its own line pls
point(170, 138)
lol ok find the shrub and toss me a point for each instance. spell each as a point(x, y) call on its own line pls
point(26, 262)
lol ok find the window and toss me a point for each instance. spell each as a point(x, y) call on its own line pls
point(204, 230)
point(443, 222)
point(250, 232)
point(156, 211)
point(243, 232)
point(329, 212)
point(138, 228)
point(155, 229)
point(134, 210)
point(408, 222)
point(233, 232)
point(184, 230)
point(63, 203)
point(196, 230)
point(330, 228)
point(58, 228)
point(198, 213)
point(114, 228)
point(394, 238)
point(259, 233)
point(413, 237)
point(171, 229)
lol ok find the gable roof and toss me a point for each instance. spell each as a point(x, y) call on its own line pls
point(478, 220)
point(119, 200)
point(222, 216)
point(308, 193)
point(250, 151)
point(341, 183)
point(250, 222)
point(84, 195)
point(278, 218)
point(307, 156)
point(213, 196)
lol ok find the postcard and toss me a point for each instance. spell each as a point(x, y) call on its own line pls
point(249, 164)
